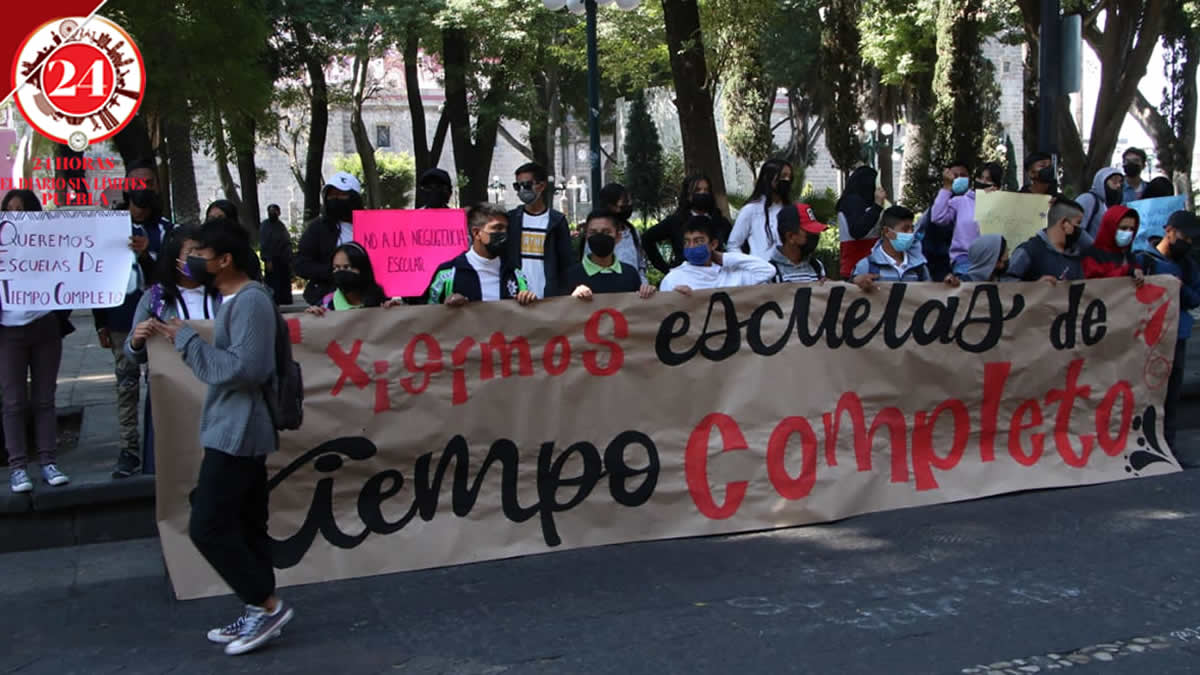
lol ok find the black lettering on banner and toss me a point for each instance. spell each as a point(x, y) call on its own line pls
point(426, 487)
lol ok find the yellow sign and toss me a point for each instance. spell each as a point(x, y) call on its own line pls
point(1012, 215)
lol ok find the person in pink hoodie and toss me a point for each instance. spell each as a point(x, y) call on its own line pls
point(956, 203)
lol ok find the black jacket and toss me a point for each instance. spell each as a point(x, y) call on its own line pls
point(627, 281)
point(274, 241)
point(671, 230)
point(557, 256)
point(457, 276)
point(314, 258)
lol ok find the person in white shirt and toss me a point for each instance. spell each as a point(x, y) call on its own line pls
point(757, 222)
point(707, 267)
point(482, 274)
point(539, 239)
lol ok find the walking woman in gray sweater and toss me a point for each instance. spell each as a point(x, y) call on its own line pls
point(228, 523)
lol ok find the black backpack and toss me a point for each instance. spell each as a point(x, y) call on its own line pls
point(284, 392)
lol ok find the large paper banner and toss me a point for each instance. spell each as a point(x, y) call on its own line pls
point(64, 259)
point(1152, 218)
point(435, 436)
point(1013, 215)
point(406, 246)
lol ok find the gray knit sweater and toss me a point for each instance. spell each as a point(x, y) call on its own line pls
point(241, 358)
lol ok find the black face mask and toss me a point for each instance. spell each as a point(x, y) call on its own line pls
point(602, 245)
point(197, 268)
point(625, 214)
point(983, 186)
point(347, 280)
point(1180, 249)
point(338, 210)
point(1133, 169)
point(1073, 238)
point(1046, 175)
point(497, 243)
point(703, 201)
point(1113, 197)
point(433, 197)
point(783, 188)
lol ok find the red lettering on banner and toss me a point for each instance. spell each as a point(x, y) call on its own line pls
point(923, 453)
point(995, 375)
point(616, 356)
point(1062, 423)
point(696, 466)
point(459, 359)
point(294, 333)
point(348, 363)
point(800, 486)
point(500, 345)
point(559, 343)
point(431, 367)
point(382, 402)
point(1018, 425)
point(1114, 446)
point(892, 418)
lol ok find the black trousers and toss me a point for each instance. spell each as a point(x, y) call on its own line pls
point(229, 523)
point(279, 280)
point(1174, 392)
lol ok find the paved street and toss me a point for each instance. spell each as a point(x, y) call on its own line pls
point(1102, 578)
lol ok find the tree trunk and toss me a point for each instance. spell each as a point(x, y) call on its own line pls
point(221, 150)
point(473, 158)
point(362, 140)
point(424, 155)
point(541, 123)
point(133, 142)
point(318, 122)
point(185, 197)
point(249, 210)
point(1032, 21)
point(693, 100)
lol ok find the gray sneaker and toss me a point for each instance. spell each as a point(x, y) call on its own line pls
point(259, 627)
point(227, 634)
point(19, 481)
point(53, 476)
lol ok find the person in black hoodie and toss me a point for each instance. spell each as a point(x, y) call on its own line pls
point(859, 209)
point(482, 274)
point(113, 325)
point(539, 239)
point(695, 199)
point(341, 197)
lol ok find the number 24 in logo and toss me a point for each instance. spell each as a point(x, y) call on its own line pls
point(79, 83)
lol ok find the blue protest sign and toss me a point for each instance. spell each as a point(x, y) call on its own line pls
point(1153, 214)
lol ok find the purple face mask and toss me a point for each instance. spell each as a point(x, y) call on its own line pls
point(183, 269)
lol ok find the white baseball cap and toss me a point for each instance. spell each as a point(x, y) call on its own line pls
point(344, 182)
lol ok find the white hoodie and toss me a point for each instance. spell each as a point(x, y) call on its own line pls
point(739, 270)
point(752, 225)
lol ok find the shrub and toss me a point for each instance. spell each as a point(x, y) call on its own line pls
point(397, 176)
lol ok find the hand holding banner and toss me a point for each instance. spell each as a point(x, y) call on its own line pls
point(64, 259)
point(406, 246)
point(1012, 215)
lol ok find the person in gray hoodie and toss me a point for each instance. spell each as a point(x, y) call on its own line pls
point(987, 258)
point(228, 523)
point(1108, 189)
point(795, 259)
point(1054, 254)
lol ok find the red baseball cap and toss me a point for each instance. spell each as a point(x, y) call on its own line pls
point(805, 215)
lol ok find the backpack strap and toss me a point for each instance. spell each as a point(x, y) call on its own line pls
point(778, 271)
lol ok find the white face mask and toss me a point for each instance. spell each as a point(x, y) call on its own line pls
point(1124, 238)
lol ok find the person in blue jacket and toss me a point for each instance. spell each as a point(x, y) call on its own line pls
point(1172, 255)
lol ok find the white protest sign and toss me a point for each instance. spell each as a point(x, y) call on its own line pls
point(64, 259)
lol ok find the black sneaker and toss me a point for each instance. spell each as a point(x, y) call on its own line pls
point(127, 465)
point(258, 627)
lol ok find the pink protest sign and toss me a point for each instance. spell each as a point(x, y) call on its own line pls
point(406, 246)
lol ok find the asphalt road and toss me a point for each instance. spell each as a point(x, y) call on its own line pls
point(1101, 578)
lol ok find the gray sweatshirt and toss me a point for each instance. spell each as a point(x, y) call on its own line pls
point(235, 419)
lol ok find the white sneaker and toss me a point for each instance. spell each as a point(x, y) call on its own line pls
point(53, 476)
point(19, 481)
point(259, 627)
point(227, 634)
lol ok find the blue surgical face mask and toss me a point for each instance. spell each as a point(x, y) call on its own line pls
point(960, 185)
point(1124, 238)
point(697, 255)
point(904, 241)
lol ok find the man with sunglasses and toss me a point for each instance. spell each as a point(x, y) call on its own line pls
point(539, 240)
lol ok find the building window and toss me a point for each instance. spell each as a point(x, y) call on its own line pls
point(383, 136)
point(1007, 66)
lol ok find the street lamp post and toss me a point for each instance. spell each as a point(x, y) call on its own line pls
point(589, 7)
point(874, 140)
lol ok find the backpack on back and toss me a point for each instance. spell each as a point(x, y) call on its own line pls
point(284, 392)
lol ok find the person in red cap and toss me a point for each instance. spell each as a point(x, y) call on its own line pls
point(795, 258)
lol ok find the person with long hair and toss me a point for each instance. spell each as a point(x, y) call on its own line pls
point(31, 345)
point(354, 284)
point(225, 209)
point(176, 295)
point(858, 212)
point(757, 222)
point(695, 199)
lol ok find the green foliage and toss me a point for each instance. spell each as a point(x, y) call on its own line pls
point(748, 101)
point(823, 203)
point(397, 176)
point(673, 175)
point(643, 158)
point(842, 82)
point(899, 38)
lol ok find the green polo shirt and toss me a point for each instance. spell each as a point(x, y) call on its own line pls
point(593, 269)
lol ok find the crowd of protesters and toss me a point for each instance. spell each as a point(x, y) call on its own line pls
point(202, 271)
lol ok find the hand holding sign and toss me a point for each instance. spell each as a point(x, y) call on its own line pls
point(1014, 216)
